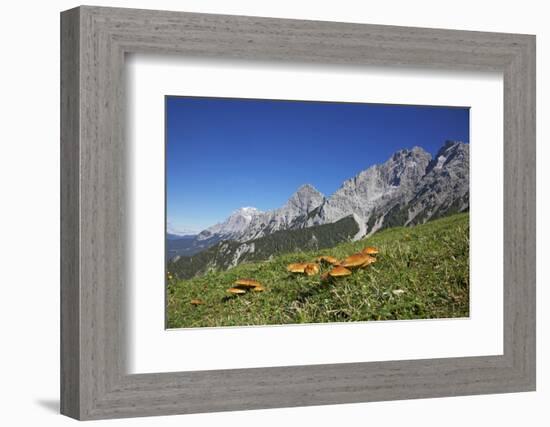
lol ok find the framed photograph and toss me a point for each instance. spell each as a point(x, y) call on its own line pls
point(309, 256)
point(262, 213)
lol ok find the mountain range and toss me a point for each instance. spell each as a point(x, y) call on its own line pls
point(409, 188)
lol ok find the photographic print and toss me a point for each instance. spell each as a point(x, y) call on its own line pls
point(291, 212)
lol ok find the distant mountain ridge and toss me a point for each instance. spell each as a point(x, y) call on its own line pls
point(229, 253)
point(409, 188)
point(376, 188)
point(304, 201)
point(233, 227)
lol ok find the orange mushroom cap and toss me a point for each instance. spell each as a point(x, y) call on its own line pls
point(355, 260)
point(370, 250)
point(197, 301)
point(246, 283)
point(369, 261)
point(328, 259)
point(311, 269)
point(339, 271)
point(236, 291)
point(297, 267)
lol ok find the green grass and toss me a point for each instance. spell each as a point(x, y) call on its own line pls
point(429, 262)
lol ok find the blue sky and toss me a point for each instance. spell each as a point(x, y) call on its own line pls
point(223, 154)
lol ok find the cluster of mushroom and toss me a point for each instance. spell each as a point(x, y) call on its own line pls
point(339, 268)
point(242, 286)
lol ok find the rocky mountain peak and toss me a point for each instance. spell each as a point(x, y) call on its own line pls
point(405, 166)
point(305, 199)
point(233, 225)
point(300, 204)
point(451, 151)
point(306, 189)
point(406, 153)
point(450, 144)
point(247, 212)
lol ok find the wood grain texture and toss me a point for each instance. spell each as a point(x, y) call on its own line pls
point(94, 380)
point(70, 292)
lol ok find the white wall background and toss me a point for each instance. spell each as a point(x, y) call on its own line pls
point(29, 225)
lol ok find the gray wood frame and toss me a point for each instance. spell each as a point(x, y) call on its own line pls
point(94, 382)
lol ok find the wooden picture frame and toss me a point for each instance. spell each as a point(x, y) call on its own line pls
point(94, 382)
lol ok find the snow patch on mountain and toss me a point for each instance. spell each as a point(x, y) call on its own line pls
point(233, 226)
point(362, 227)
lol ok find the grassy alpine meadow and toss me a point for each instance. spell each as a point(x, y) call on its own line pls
point(421, 272)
